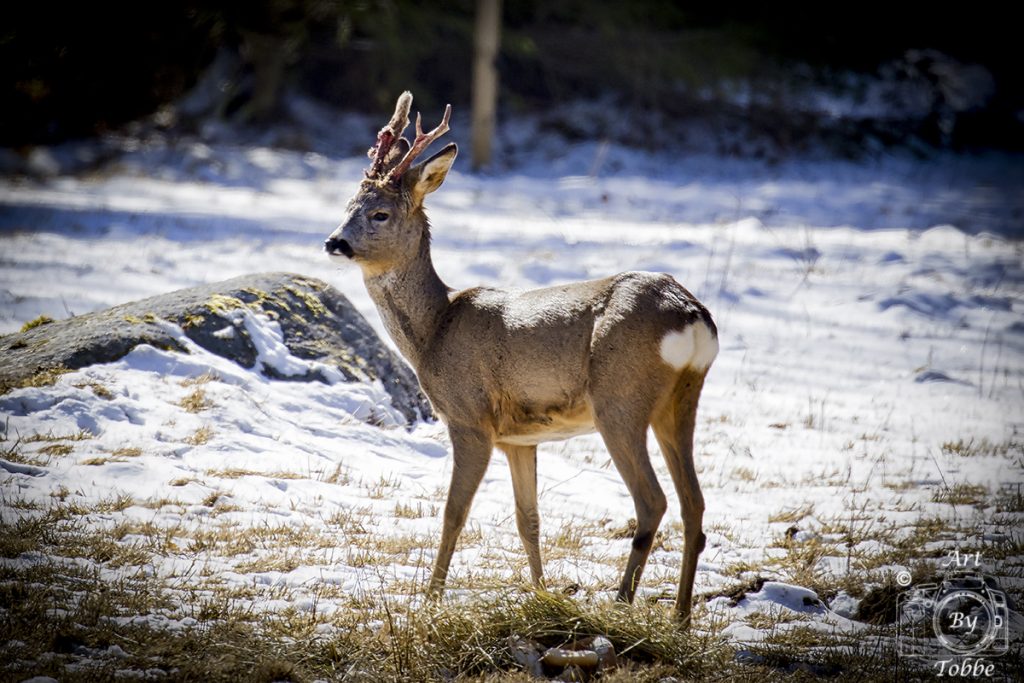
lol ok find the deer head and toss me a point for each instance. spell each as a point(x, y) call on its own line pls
point(386, 225)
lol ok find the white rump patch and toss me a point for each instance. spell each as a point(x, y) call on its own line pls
point(677, 348)
point(694, 347)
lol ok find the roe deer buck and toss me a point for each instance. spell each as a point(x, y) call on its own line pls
point(515, 369)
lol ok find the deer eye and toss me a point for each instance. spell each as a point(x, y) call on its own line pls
point(380, 216)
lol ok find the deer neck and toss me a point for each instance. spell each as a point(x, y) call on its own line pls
point(411, 299)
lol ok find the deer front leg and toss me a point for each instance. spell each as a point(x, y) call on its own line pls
point(471, 453)
point(522, 461)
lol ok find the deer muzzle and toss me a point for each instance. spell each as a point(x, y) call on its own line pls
point(335, 246)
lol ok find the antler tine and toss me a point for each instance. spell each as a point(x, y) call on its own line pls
point(390, 134)
point(421, 143)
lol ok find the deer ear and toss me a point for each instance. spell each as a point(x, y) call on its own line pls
point(429, 175)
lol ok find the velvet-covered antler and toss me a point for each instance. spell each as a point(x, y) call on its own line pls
point(382, 151)
point(420, 144)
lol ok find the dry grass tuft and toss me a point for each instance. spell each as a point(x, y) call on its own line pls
point(43, 378)
point(744, 474)
point(792, 516)
point(200, 437)
point(204, 378)
point(36, 322)
point(56, 449)
point(49, 437)
point(97, 389)
point(971, 448)
point(196, 401)
point(342, 475)
point(961, 494)
point(407, 511)
point(238, 473)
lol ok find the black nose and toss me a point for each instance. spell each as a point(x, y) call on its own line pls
point(337, 246)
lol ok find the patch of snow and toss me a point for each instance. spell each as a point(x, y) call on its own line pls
point(845, 605)
point(17, 468)
point(271, 351)
point(227, 332)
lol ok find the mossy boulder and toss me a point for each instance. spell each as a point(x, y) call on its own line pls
point(317, 323)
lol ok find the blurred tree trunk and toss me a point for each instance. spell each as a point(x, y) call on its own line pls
point(486, 39)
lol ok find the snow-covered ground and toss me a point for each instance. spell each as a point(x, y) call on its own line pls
point(871, 372)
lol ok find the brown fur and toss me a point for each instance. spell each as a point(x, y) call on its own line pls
point(514, 369)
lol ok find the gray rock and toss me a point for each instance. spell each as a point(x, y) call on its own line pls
point(317, 322)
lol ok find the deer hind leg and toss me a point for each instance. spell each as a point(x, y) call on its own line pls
point(673, 426)
point(522, 461)
point(471, 454)
point(626, 440)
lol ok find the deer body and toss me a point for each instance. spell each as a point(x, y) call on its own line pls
point(514, 369)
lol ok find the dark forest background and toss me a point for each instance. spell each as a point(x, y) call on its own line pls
point(73, 70)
